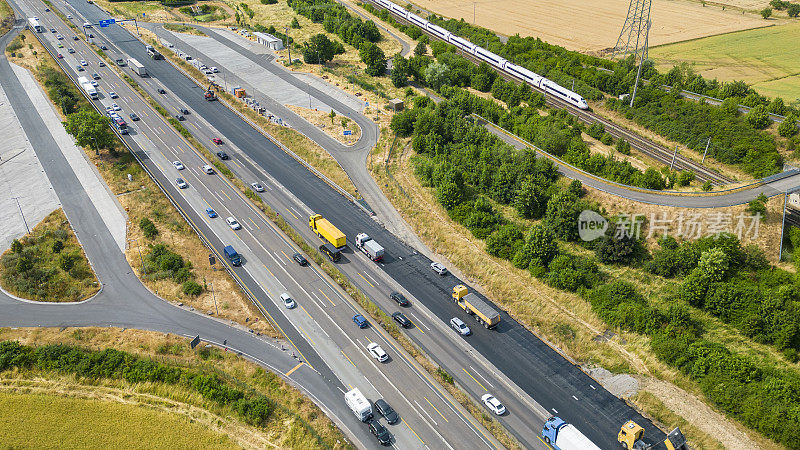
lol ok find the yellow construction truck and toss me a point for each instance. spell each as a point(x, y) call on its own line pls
point(630, 436)
point(326, 230)
point(473, 305)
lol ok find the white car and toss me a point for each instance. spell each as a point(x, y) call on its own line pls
point(94, 83)
point(59, 37)
point(69, 16)
point(181, 183)
point(287, 301)
point(178, 165)
point(257, 187)
point(84, 63)
point(493, 404)
point(208, 169)
point(116, 107)
point(438, 268)
point(377, 352)
point(460, 326)
point(112, 94)
point(215, 70)
point(233, 223)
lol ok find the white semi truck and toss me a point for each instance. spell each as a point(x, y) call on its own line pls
point(370, 248)
point(564, 436)
point(137, 67)
point(87, 87)
point(359, 404)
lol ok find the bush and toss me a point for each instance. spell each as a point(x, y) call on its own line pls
point(16, 246)
point(58, 245)
point(788, 127)
point(192, 289)
point(148, 228)
point(685, 178)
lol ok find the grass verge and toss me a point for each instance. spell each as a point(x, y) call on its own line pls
point(48, 264)
point(294, 421)
point(183, 28)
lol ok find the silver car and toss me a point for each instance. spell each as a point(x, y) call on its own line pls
point(460, 326)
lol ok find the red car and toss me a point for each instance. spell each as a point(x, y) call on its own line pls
point(60, 56)
point(217, 141)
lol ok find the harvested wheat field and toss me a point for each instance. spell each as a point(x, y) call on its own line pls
point(593, 26)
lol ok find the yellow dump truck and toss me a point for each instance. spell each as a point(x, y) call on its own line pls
point(327, 231)
point(630, 436)
point(472, 304)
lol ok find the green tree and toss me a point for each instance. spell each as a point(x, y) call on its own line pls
point(788, 127)
point(613, 249)
point(332, 115)
point(449, 195)
point(531, 199)
point(561, 216)
point(374, 58)
point(420, 49)
point(58, 245)
point(90, 129)
point(685, 178)
point(319, 49)
point(776, 106)
point(295, 24)
point(436, 74)
point(758, 205)
point(541, 245)
point(148, 228)
point(400, 68)
point(766, 13)
point(707, 186)
point(191, 288)
point(758, 117)
point(504, 241)
point(16, 246)
point(793, 10)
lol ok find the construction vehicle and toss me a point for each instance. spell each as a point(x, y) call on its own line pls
point(209, 94)
point(473, 305)
point(564, 436)
point(370, 248)
point(630, 435)
point(326, 230)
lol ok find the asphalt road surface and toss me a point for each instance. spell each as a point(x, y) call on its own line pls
point(540, 371)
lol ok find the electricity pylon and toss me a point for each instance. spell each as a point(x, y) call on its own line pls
point(633, 36)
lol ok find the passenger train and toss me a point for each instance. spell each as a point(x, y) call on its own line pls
point(492, 59)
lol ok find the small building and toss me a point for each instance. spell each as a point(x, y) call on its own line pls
point(269, 40)
point(396, 104)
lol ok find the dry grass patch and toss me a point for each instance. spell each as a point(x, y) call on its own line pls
point(286, 428)
point(594, 26)
point(332, 126)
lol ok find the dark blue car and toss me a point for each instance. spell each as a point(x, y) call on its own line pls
point(211, 213)
point(359, 320)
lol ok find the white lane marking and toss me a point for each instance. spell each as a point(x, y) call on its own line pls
point(554, 410)
point(576, 398)
point(373, 279)
point(482, 377)
point(426, 413)
point(417, 321)
point(591, 386)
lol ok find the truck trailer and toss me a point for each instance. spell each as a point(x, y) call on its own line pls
point(564, 436)
point(370, 248)
point(326, 230)
point(137, 67)
point(473, 305)
point(359, 404)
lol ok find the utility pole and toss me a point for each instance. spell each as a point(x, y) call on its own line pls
point(783, 225)
point(704, 153)
point(144, 270)
point(673, 157)
point(22, 214)
point(288, 44)
point(215, 299)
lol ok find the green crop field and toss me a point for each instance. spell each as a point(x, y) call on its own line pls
point(766, 58)
point(49, 421)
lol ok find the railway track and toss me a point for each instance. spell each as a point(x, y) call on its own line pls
point(648, 148)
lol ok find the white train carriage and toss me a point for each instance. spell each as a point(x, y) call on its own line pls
point(397, 9)
point(463, 44)
point(385, 3)
point(438, 31)
point(417, 20)
point(524, 74)
point(563, 93)
point(491, 58)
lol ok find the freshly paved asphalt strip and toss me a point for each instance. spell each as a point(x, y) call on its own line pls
point(538, 369)
point(124, 301)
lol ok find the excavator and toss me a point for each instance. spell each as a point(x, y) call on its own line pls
point(209, 93)
point(630, 435)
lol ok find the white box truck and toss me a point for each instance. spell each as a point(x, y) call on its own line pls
point(87, 87)
point(370, 248)
point(137, 67)
point(358, 404)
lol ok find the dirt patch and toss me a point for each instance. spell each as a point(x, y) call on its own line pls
point(332, 126)
point(593, 26)
point(622, 385)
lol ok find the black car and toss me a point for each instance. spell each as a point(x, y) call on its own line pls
point(380, 432)
point(75, 38)
point(134, 117)
point(300, 259)
point(399, 298)
point(52, 30)
point(401, 319)
point(184, 111)
point(103, 47)
point(222, 155)
point(386, 411)
point(180, 117)
point(161, 91)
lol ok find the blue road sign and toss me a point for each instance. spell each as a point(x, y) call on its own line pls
point(106, 22)
point(348, 132)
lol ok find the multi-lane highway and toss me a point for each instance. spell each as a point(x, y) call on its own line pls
point(320, 327)
point(510, 361)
